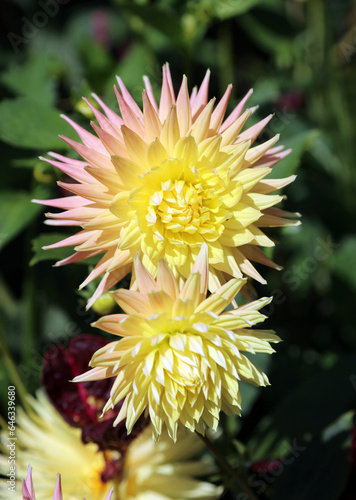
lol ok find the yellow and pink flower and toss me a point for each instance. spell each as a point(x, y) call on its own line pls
point(164, 180)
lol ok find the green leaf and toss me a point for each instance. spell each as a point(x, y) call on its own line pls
point(31, 80)
point(269, 40)
point(17, 212)
point(320, 471)
point(343, 262)
point(29, 124)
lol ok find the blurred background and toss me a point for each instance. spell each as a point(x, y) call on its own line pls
point(300, 59)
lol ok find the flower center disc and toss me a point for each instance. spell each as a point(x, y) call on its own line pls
point(175, 204)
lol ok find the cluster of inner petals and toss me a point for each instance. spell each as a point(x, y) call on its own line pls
point(181, 205)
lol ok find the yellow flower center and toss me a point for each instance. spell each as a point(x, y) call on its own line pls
point(181, 207)
point(175, 203)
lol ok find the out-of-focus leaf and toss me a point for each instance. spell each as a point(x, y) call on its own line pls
point(314, 410)
point(326, 157)
point(343, 261)
point(45, 239)
point(223, 9)
point(17, 212)
point(299, 144)
point(26, 162)
point(31, 80)
point(320, 471)
point(265, 91)
point(164, 20)
point(30, 124)
point(268, 39)
point(61, 52)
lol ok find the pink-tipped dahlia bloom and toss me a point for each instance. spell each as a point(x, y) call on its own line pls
point(166, 179)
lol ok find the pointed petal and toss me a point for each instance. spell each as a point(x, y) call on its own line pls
point(150, 93)
point(184, 111)
point(201, 266)
point(170, 130)
point(146, 283)
point(219, 112)
point(236, 112)
point(88, 139)
point(166, 281)
point(167, 94)
point(113, 117)
point(57, 495)
point(201, 99)
point(153, 126)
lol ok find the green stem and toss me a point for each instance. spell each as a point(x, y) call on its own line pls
point(225, 464)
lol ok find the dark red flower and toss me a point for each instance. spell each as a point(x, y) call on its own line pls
point(81, 404)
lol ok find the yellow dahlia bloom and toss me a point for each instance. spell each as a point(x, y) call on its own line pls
point(166, 179)
point(148, 472)
point(51, 446)
point(180, 359)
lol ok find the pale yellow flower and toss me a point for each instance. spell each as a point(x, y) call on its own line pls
point(181, 358)
point(147, 471)
point(51, 446)
point(164, 180)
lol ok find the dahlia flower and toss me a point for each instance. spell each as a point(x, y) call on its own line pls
point(147, 471)
point(50, 445)
point(180, 359)
point(166, 179)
